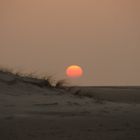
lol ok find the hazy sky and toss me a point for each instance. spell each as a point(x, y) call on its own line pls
point(102, 36)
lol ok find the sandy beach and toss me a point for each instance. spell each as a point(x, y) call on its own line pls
point(29, 112)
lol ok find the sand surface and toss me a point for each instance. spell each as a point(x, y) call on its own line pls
point(28, 112)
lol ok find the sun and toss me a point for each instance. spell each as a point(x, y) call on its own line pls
point(74, 71)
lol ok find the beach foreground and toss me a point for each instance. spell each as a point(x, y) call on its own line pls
point(29, 112)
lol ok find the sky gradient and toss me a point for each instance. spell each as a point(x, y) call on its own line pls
point(46, 36)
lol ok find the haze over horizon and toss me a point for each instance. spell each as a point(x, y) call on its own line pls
point(102, 36)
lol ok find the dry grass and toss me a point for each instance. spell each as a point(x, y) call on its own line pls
point(32, 78)
point(6, 70)
point(61, 83)
point(80, 94)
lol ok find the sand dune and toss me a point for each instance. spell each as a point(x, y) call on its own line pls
point(32, 112)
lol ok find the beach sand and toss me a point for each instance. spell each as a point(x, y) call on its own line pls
point(28, 112)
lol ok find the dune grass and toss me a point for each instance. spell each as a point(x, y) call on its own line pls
point(33, 78)
point(45, 82)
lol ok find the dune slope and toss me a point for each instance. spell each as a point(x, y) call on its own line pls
point(29, 111)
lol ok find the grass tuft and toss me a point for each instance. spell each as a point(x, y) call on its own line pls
point(32, 78)
point(61, 83)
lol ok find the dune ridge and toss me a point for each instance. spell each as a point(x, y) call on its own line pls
point(32, 110)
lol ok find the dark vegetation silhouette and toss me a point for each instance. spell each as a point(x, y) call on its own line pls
point(44, 82)
point(32, 78)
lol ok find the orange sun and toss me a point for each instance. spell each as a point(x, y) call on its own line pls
point(74, 71)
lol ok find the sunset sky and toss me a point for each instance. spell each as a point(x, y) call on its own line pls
point(46, 36)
